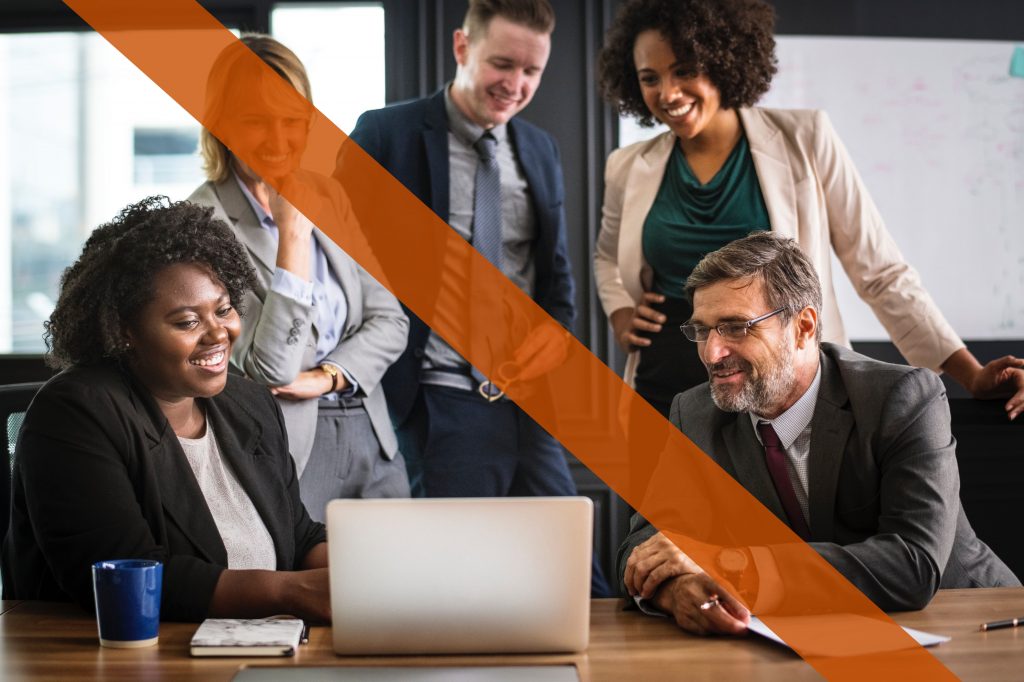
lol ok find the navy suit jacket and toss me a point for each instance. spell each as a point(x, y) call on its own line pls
point(410, 140)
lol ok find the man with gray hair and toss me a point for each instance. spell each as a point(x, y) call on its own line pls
point(855, 455)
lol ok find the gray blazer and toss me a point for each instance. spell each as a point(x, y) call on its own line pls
point(884, 489)
point(279, 335)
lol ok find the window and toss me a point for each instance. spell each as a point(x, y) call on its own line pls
point(342, 47)
point(83, 133)
point(74, 112)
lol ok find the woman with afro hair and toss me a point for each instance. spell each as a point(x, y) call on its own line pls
point(145, 447)
point(725, 168)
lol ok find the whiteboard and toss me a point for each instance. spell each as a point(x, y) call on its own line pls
point(936, 130)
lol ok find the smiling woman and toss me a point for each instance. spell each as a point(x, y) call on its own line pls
point(322, 332)
point(145, 447)
point(726, 168)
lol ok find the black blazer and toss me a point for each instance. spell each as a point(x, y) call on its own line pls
point(100, 474)
point(410, 140)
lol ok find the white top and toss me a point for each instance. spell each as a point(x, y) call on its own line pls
point(245, 537)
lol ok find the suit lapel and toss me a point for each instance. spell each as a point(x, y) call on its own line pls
point(178, 488)
point(641, 189)
point(748, 461)
point(830, 431)
point(532, 166)
point(768, 150)
point(238, 434)
point(435, 142)
point(257, 239)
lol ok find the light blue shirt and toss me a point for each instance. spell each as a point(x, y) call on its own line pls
point(324, 293)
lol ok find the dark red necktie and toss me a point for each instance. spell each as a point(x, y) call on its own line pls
point(775, 455)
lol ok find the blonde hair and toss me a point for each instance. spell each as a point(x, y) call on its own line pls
point(227, 71)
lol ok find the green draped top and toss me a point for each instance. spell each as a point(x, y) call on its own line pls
point(689, 220)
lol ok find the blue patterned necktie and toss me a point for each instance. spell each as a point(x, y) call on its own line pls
point(487, 235)
point(487, 201)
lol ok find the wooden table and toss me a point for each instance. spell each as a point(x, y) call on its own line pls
point(47, 641)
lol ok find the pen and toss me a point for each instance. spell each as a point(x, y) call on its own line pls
point(711, 603)
point(999, 624)
point(304, 639)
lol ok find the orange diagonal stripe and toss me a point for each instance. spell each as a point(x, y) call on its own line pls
point(175, 42)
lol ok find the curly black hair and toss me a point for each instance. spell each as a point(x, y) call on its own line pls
point(110, 283)
point(729, 41)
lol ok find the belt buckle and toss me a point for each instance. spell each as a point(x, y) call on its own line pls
point(508, 372)
point(489, 391)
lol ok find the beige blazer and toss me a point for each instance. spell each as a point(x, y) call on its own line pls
point(815, 196)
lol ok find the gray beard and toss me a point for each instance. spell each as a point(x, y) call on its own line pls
point(758, 395)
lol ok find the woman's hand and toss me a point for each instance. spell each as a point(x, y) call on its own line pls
point(312, 383)
point(294, 230)
point(1000, 378)
point(257, 594)
point(629, 323)
point(307, 594)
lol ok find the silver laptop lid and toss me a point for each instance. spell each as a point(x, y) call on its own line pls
point(502, 575)
point(512, 673)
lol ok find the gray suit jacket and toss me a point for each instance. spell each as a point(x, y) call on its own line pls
point(883, 487)
point(278, 337)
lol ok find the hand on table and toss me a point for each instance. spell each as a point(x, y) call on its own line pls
point(700, 606)
point(659, 571)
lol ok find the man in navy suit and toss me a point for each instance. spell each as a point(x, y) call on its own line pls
point(456, 441)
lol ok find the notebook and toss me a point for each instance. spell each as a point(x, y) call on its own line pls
point(274, 636)
point(835, 646)
point(460, 576)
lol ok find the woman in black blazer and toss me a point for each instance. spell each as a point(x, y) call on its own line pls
point(144, 446)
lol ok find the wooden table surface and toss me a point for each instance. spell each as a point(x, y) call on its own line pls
point(48, 641)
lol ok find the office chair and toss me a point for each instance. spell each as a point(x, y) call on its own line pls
point(14, 400)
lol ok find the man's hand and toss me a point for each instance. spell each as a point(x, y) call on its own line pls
point(543, 349)
point(700, 606)
point(312, 383)
point(653, 562)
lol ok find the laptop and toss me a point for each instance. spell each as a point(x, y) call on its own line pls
point(512, 673)
point(460, 575)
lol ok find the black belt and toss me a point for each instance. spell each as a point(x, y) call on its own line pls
point(340, 402)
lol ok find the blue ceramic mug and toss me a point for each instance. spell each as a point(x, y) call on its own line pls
point(127, 601)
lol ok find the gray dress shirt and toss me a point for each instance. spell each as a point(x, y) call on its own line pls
point(518, 227)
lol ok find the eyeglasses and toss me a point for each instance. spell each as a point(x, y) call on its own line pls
point(733, 331)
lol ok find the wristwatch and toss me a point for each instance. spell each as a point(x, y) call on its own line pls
point(732, 562)
point(735, 565)
point(331, 371)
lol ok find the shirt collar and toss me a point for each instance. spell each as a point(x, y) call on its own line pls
point(791, 423)
point(465, 129)
point(261, 215)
